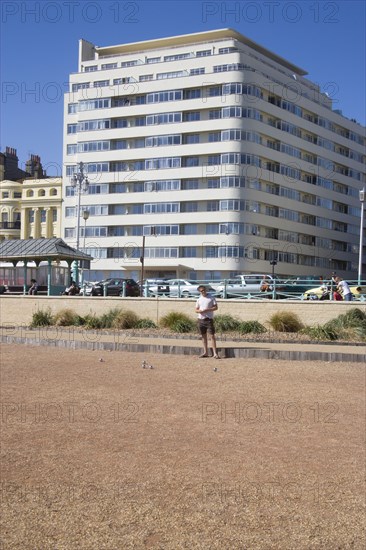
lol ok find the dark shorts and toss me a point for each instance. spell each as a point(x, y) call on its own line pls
point(206, 325)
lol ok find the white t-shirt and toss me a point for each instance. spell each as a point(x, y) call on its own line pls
point(204, 302)
point(345, 289)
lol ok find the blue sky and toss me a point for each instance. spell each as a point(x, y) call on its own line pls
point(39, 46)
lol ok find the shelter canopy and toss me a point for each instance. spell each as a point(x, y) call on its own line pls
point(38, 250)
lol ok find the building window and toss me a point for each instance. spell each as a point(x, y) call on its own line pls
point(161, 208)
point(90, 105)
point(203, 53)
point(191, 161)
point(164, 162)
point(200, 70)
point(189, 139)
point(101, 83)
point(72, 149)
point(130, 63)
point(191, 116)
point(228, 50)
point(163, 118)
point(190, 184)
point(189, 229)
point(189, 207)
point(89, 125)
point(145, 77)
point(159, 97)
point(192, 94)
point(80, 86)
point(212, 228)
point(188, 252)
point(172, 74)
point(176, 57)
point(109, 66)
point(213, 206)
point(162, 141)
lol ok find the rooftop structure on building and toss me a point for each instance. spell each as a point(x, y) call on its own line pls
point(222, 154)
point(10, 170)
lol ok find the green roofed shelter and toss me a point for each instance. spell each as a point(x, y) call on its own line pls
point(41, 250)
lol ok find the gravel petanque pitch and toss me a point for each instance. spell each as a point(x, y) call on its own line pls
point(99, 453)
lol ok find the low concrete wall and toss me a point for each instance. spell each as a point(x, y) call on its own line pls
point(18, 310)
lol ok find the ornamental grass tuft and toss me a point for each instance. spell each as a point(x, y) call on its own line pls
point(285, 321)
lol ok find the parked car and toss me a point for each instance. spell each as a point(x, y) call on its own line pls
point(184, 288)
point(295, 287)
point(156, 287)
point(241, 285)
point(113, 287)
point(323, 292)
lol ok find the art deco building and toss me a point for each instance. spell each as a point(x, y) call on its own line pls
point(220, 152)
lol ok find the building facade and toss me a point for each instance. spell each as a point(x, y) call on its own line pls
point(30, 208)
point(217, 151)
point(41, 213)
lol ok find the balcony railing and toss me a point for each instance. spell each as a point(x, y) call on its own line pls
point(9, 225)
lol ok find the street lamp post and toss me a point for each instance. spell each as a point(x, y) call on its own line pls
point(362, 200)
point(80, 183)
point(273, 263)
point(142, 260)
point(85, 218)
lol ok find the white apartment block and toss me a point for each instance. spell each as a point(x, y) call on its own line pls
point(218, 151)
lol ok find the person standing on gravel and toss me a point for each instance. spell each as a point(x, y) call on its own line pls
point(205, 307)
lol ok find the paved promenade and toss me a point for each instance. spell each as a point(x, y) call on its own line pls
point(72, 338)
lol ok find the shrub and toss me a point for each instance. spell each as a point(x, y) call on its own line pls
point(145, 323)
point(245, 327)
point(178, 322)
point(225, 323)
point(349, 326)
point(184, 325)
point(285, 321)
point(319, 332)
point(107, 319)
point(66, 317)
point(92, 321)
point(354, 314)
point(42, 318)
point(125, 319)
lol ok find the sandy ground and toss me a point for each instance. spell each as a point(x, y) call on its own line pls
point(99, 453)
